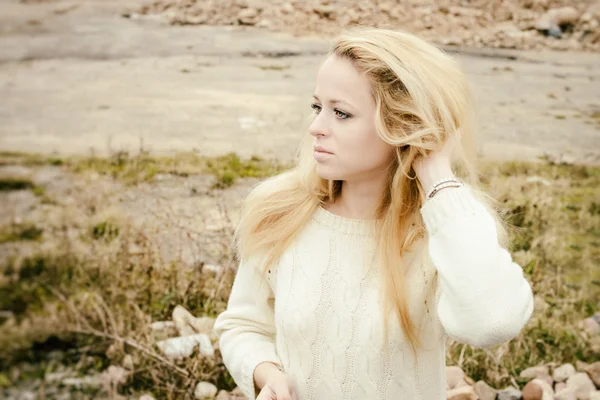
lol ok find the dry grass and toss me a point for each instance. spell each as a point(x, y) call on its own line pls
point(81, 311)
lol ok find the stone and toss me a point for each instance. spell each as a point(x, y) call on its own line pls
point(222, 395)
point(547, 378)
point(248, 16)
point(591, 326)
point(593, 370)
point(581, 366)
point(56, 377)
point(509, 394)
point(563, 372)
point(461, 393)
point(565, 394)
point(203, 324)
point(534, 372)
point(485, 391)
point(556, 18)
point(538, 389)
point(595, 395)
point(163, 329)
point(205, 391)
point(181, 318)
point(180, 347)
point(87, 381)
point(454, 375)
point(146, 397)
point(560, 386)
point(113, 377)
point(581, 384)
point(325, 11)
point(128, 362)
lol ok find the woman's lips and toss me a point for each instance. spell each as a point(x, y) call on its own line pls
point(321, 154)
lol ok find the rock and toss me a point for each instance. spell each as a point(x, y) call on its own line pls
point(548, 379)
point(223, 395)
point(454, 375)
point(484, 391)
point(236, 394)
point(538, 389)
point(581, 366)
point(214, 269)
point(205, 391)
point(325, 11)
point(206, 347)
point(534, 372)
point(163, 329)
point(591, 326)
point(563, 372)
point(509, 394)
point(56, 377)
point(560, 386)
point(181, 318)
point(113, 377)
point(461, 393)
point(187, 324)
point(581, 384)
point(248, 16)
point(556, 18)
point(593, 370)
point(555, 32)
point(565, 394)
point(203, 325)
point(264, 23)
point(180, 347)
point(146, 397)
point(92, 381)
point(27, 395)
point(128, 362)
point(595, 395)
point(540, 303)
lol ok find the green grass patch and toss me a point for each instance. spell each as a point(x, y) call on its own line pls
point(11, 183)
point(20, 232)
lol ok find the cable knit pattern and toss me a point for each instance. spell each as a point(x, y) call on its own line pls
point(318, 313)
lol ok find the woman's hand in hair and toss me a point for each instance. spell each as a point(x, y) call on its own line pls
point(437, 164)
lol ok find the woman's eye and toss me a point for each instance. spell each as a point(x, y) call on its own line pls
point(341, 114)
point(316, 107)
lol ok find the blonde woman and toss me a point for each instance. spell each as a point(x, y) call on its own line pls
point(356, 265)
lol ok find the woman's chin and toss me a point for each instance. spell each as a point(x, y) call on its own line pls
point(329, 173)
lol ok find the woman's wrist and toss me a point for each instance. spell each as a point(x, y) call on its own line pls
point(434, 174)
point(264, 372)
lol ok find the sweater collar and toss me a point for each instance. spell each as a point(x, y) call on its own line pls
point(364, 227)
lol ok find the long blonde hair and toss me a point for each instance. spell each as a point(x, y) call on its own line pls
point(422, 99)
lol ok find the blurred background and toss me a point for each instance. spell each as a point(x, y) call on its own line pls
point(130, 132)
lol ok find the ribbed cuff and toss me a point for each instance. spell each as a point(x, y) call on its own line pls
point(447, 205)
point(259, 355)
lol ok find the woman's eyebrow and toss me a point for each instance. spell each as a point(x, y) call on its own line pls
point(333, 101)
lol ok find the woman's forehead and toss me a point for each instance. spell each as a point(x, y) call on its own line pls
point(339, 79)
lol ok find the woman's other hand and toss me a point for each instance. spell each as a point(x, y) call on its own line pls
point(277, 386)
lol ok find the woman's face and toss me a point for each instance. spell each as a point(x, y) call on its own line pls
point(346, 144)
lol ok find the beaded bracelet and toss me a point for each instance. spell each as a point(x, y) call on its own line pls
point(441, 184)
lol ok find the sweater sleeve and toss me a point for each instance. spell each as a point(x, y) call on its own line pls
point(246, 329)
point(483, 298)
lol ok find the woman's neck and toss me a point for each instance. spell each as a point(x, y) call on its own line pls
point(358, 200)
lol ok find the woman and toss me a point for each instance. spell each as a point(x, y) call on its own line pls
point(358, 263)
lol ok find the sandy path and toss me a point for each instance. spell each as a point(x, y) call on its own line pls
point(77, 76)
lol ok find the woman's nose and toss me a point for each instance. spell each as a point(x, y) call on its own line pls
point(319, 126)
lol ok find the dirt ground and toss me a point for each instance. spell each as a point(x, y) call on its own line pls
point(79, 77)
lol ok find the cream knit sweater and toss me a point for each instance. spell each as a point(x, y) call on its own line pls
point(318, 314)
